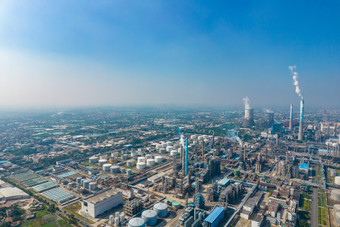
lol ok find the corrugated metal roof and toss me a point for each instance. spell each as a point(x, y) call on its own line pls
point(214, 214)
point(223, 181)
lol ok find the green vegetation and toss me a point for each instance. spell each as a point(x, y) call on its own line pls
point(322, 216)
point(72, 210)
point(322, 199)
point(305, 203)
point(304, 218)
point(329, 178)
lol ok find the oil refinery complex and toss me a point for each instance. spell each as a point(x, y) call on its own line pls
point(177, 168)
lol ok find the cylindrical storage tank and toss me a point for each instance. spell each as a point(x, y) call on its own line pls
point(150, 162)
point(335, 194)
point(173, 153)
point(82, 181)
point(169, 148)
point(128, 171)
point(136, 222)
point(141, 160)
point(161, 209)
point(93, 186)
point(148, 156)
point(79, 180)
point(93, 160)
point(150, 217)
point(114, 169)
point(130, 163)
point(175, 146)
point(104, 156)
point(106, 167)
point(117, 214)
point(158, 159)
point(337, 180)
point(162, 151)
point(86, 184)
point(122, 217)
point(140, 165)
point(117, 221)
point(111, 219)
point(102, 162)
point(134, 154)
point(124, 156)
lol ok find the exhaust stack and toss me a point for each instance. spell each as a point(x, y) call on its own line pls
point(302, 103)
point(291, 117)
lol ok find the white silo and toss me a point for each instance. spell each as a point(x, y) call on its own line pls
point(102, 162)
point(150, 162)
point(169, 148)
point(114, 169)
point(141, 165)
point(158, 159)
point(93, 186)
point(107, 166)
point(150, 217)
point(161, 209)
point(141, 160)
point(136, 222)
point(173, 153)
point(130, 163)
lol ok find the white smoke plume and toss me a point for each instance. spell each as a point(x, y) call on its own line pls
point(246, 102)
point(295, 79)
point(181, 140)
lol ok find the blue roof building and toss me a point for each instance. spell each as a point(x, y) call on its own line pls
point(224, 182)
point(304, 166)
point(215, 217)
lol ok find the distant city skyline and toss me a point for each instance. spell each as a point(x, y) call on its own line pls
point(111, 53)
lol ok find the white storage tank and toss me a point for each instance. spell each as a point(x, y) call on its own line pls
point(150, 217)
point(117, 221)
point(130, 163)
point(106, 167)
point(86, 184)
point(104, 156)
point(111, 219)
point(93, 186)
point(140, 165)
point(148, 156)
point(161, 209)
point(337, 180)
point(169, 148)
point(150, 162)
point(141, 160)
point(78, 180)
point(122, 217)
point(175, 146)
point(124, 156)
point(128, 172)
point(102, 162)
point(162, 151)
point(134, 154)
point(93, 160)
point(136, 222)
point(158, 159)
point(335, 194)
point(173, 153)
point(114, 169)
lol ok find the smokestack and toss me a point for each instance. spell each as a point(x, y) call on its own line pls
point(291, 117)
point(302, 103)
point(244, 155)
point(186, 157)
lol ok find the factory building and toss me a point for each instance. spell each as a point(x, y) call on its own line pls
point(215, 217)
point(133, 207)
point(102, 202)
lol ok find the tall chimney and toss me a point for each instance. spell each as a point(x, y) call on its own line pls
point(300, 136)
point(291, 117)
point(186, 157)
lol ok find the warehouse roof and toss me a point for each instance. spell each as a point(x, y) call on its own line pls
point(102, 196)
point(304, 166)
point(9, 192)
point(214, 214)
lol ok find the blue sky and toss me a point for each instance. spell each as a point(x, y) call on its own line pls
point(86, 53)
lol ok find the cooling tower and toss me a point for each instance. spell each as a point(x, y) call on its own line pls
point(291, 117)
point(300, 136)
point(248, 118)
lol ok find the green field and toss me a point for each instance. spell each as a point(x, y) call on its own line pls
point(322, 199)
point(322, 216)
point(305, 203)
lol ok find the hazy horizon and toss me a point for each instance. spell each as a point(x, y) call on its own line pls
point(117, 53)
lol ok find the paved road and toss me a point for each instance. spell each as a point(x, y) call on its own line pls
point(314, 216)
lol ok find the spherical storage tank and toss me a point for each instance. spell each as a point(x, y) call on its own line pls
point(335, 194)
point(158, 159)
point(102, 162)
point(150, 162)
point(337, 180)
point(161, 209)
point(114, 169)
point(150, 217)
point(136, 222)
point(93, 160)
point(106, 167)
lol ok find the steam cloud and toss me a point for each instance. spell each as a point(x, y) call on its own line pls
point(295, 79)
point(246, 102)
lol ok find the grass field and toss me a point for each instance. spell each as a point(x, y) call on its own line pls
point(322, 199)
point(322, 216)
point(73, 208)
point(305, 203)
